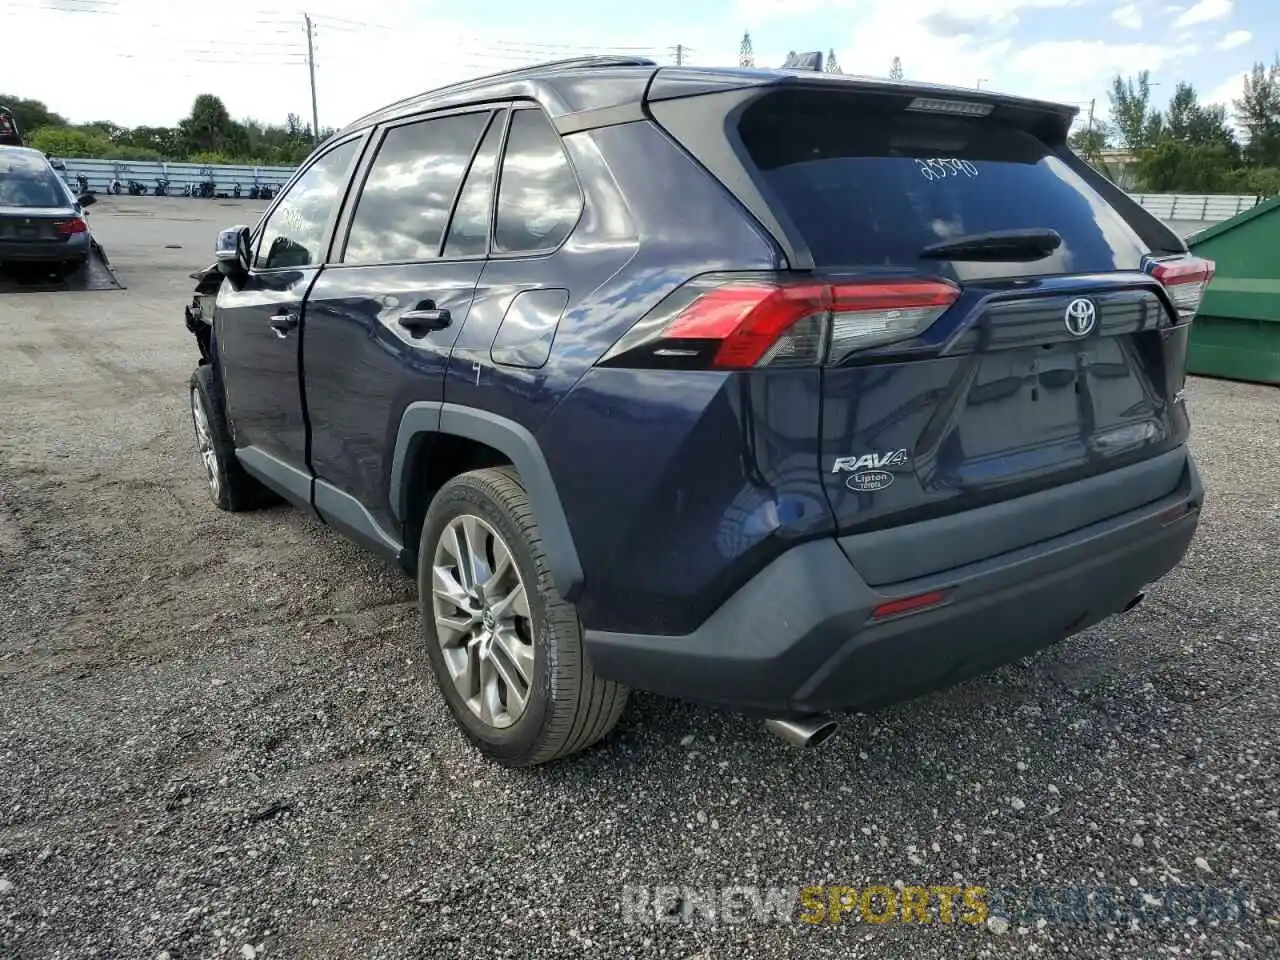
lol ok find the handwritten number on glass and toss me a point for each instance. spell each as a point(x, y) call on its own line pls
point(940, 168)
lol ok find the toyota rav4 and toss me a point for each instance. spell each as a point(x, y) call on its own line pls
point(784, 392)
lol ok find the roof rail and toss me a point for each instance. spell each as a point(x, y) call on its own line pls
point(598, 60)
point(572, 63)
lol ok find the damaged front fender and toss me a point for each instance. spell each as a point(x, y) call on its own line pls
point(199, 313)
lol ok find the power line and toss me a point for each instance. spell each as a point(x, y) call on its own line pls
point(99, 9)
point(341, 25)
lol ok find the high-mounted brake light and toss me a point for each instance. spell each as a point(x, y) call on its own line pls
point(68, 228)
point(961, 108)
point(729, 322)
point(1185, 278)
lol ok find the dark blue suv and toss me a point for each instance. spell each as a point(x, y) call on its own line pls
point(789, 393)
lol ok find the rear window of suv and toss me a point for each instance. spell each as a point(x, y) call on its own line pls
point(869, 185)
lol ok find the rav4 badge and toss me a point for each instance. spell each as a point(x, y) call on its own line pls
point(867, 471)
point(871, 461)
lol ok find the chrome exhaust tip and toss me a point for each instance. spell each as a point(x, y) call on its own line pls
point(804, 733)
point(1142, 595)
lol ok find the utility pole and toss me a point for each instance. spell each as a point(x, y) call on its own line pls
point(1091, 104)
point(311, 68)
point(679, 54)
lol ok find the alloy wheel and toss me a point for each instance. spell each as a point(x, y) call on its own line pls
point(483, 623)
point(204, 437)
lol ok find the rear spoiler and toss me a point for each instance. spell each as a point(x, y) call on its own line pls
point(672, 83)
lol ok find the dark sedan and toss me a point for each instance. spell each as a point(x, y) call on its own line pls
point(41, 220)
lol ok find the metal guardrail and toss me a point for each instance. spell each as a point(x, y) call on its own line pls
point(1202, 209)
point(1205, 208)
point(100, 173)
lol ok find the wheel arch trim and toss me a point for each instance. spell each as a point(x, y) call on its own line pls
point(425, 418)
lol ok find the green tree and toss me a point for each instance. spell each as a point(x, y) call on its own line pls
point(1190, 122)
point(1181, 113)
point(210, 129)
point(1089, 142)
point(1179, 166)
point(104, 128)
point(895, 71)
point(131, 152)
point(31, 115)
point(1258, 111)
point(163, 141)
point(1209, 126)
point(68, 142)
point(1138, 126)
point(1261, 181)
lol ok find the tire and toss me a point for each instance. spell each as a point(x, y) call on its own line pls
point(566, 708)
point(230, 487)
point(75, 269)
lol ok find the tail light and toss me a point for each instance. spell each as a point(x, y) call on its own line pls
point(69, 228)
point(1185, 278)
point(736, 322)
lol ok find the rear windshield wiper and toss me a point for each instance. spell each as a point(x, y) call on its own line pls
point(996, 245)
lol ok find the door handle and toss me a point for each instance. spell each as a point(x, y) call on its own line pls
point(423, 320)
point(282, 323)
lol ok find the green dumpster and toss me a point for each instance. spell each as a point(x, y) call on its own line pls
point(1236, 334)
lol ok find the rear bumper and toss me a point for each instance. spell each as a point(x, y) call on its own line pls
point(799, 637)
point(52, 251)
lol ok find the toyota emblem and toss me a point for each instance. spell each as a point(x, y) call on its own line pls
point(1081, 317)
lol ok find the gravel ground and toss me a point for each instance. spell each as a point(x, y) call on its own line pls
point(215, 739)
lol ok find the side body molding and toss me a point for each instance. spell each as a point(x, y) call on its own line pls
point(422, 419)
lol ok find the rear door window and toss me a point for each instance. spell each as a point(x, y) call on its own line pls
point(469, 228)
point(404, 207)
point(870, 185)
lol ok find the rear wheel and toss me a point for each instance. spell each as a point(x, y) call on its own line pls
point(74, 268)
point(230, 487)
point(506, 650)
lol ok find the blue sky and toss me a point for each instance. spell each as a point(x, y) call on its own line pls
point(143, 61)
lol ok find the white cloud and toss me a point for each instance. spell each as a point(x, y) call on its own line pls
point(1127, 16)
point(1225, 94)
point(1227, 91)
point(1234, 39)
point(1203, 12)
point(942, 43)
point(253, 53)
point(753, 12)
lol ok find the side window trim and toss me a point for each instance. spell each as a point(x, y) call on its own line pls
point(342, 233)
point(498, 165)
point(497, 190)
point(330, 224)
point(502, 116)
point(342, 229)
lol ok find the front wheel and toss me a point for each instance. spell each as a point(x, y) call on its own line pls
point(506, 650)
point(230, 487)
